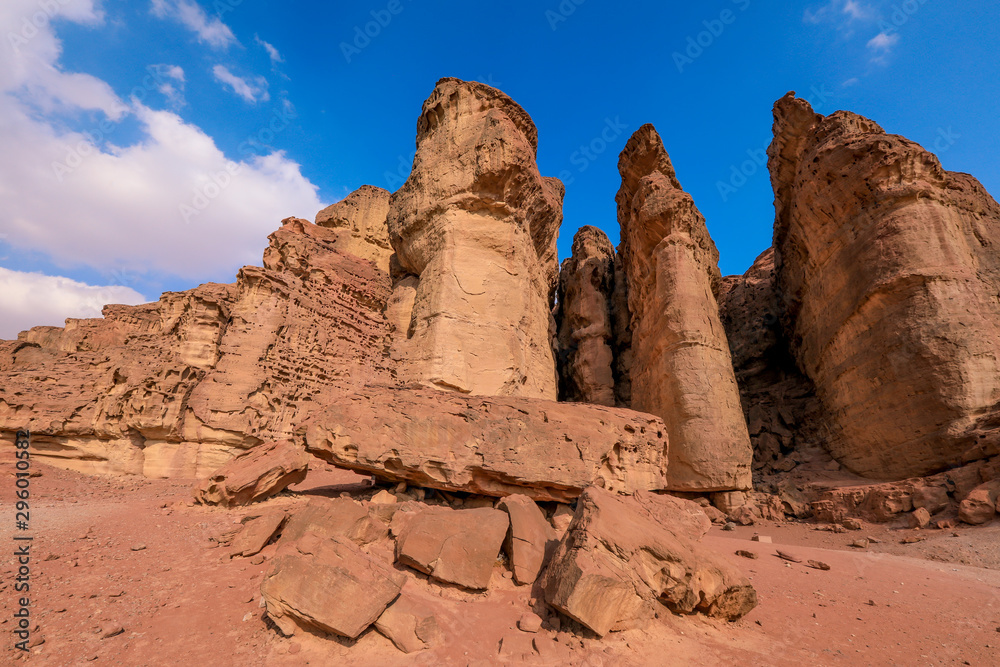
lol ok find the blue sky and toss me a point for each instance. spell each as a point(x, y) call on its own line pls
point(210, 120)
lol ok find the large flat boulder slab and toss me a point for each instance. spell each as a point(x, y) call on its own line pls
point(490, 445)
point(454, 546)
point(257, 533)
point(623, 556)
point(335, 517)
point(259, 474)
point(328, 584)
point(411, 622)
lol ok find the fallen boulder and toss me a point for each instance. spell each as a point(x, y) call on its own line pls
point(328, 584)
point(529, 538)
point(410, 623)
point(259, 474)
point(454, 546)
point(490, 445)
point(979, 506)
point(336, 517)
point(623, 555)
point(256, 534)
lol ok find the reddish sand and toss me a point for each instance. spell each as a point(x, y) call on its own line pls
point(131, 554)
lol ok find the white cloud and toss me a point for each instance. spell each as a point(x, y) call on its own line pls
point(252, 92)
point(211, 31)
point(33, 299)
point(836, 11)
point(271, 51)
point(81, 200)
point(172, 90)
point(881, 45)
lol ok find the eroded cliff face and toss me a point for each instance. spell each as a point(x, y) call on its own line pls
point(360, 222)
point(474, 229)
point(888, 273)
point(681, 368)
point(176, 388)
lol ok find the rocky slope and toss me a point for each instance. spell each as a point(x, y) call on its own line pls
point(178, 387)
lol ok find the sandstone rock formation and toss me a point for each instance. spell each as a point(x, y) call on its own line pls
point(784, 416)
point(454, 546)
point(585, 341)
point(888, 271)
point(490, 446)
point(257, 533)
point(360, 222)
point(474, 229)
point(681, 366)
point(255, 475)
point(336, 517)
point(621, 556)
point(530, 537)
point(178, 387)
point(410, 623)
point(328, 584)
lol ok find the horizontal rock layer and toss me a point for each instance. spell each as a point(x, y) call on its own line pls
point(491, 446)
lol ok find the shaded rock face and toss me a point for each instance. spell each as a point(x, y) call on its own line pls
point(178, 387)
point(360, 223)
point(490, 446)
point(681, 369)
point(585, 317)
point(784, 416)
point(623, 556)
point(474, 229)
point(888, 269)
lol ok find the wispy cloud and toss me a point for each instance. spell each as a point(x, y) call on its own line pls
point(173, 89)
point(271, 51)
point(211, 31)
point(882, 44)
point(253, 92)
point(841, 11)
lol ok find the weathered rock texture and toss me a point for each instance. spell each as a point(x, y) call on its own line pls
point(585, 343)
point(888, 269)
point(360, 223)
point(474, 229)
point(491, 446)
point(178, 387)
point(328, 584)
point(784, 416)
point(530, 537)
point(455, 546)
point(681, 367)
point(621, 556)
point(256, 475)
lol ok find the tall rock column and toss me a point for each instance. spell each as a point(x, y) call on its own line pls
point(681, 365)
point(888, 267)
point(584, 315)
point(474, 229)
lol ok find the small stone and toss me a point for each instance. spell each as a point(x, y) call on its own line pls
point(746, 554)
point(919, 518)
point(784, 555)
point(383, 497)
point(818, 565)
point(139, 547)
point(860, 544)
point(730, 526)
point(113, 632)
point(852, 524)
point(763, 539)
point(530, 622)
